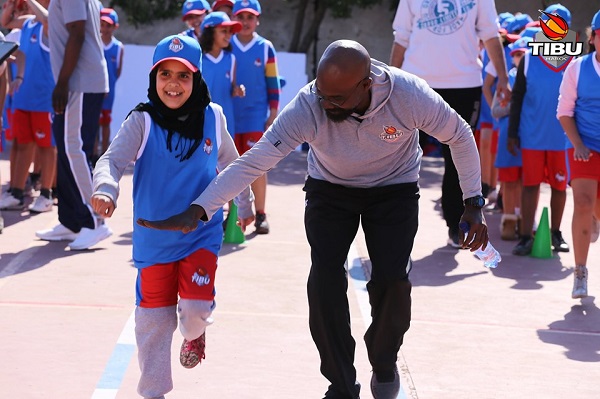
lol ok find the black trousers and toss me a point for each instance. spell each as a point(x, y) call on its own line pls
point(389, 216)
point(466, 102)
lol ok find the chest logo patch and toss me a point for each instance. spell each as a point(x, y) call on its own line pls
point(390, 134)
point(208, 147)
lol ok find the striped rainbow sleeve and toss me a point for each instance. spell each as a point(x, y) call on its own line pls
point(272, 77)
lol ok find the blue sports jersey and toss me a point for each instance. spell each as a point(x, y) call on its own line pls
point(35, 92)
point(218, 74)
point(252, 110)
point(163, 185)
point(505, 159)
point(539, 129)
point(112, 54)
point(587, 105)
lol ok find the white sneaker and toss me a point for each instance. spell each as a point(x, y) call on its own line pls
point(57, 233)
point(90, 237)
point(579, 282)
point(11, 203)
point(41, 204)
point(595, 230)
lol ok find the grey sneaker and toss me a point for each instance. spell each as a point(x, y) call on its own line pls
point(523, 248)
point(386, 390)
point(579, 282)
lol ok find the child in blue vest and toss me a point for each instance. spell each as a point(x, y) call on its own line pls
point(193, 13)
point(32, 111)
point(254, 113)
point(113, 53)
point(219, 64)
point(179, 141)
point(534, 128)
point(579, 115)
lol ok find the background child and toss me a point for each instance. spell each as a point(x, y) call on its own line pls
point(223, 5)
point(534, 128)
point(113, 53)
point(579, 115)
point(254, 113)
point(193, 13)
point(179, 140)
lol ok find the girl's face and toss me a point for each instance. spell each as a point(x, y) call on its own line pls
point(249, 23)
point(222, 36)
point(194, 21)
point(174, 83)
point(517, 57)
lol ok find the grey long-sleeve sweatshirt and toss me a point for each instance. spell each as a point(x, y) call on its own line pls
point(378, 148)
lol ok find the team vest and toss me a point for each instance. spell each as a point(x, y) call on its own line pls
point(218, 74)
point(505, 159)
point(163, 186)
point(112, 54)
point(587, 105)
point(251, 111)
point(539, 129)
point(35, 92)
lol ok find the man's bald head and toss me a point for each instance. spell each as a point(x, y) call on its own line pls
point(344, 59)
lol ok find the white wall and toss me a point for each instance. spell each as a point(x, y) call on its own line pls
point(132, 86)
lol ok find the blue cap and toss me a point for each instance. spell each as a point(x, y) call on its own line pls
point(519, 45)
point(504, 18)
point(518, 23)
point(531, 31)
point(179, 48)
point(194, 7)
point(219, 18)
point(559, 10)
point(251, 6)
point(110, 16)
point(596, 21)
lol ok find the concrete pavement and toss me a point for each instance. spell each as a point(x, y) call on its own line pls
point(66, 328)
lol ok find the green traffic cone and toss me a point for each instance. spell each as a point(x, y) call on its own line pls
point(233, 232)
point(542, 243)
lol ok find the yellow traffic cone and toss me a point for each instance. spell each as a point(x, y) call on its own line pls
point(233, 232)
point(542, 243)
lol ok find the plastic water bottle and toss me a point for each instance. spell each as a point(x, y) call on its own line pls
point(489, 255)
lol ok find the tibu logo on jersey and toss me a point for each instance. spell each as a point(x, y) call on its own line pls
point(201, 277)
point(208, 146)
point(176, 45)
point(390, 134)
point(555, 44)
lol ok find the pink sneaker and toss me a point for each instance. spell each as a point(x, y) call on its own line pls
point(192, 352)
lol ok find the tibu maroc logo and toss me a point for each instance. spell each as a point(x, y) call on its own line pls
point(555, 44)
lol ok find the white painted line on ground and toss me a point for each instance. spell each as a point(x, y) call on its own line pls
point(115, 369)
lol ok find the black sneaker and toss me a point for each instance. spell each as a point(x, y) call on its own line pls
point(261, 224)
point(558, 243)
point(523, 248)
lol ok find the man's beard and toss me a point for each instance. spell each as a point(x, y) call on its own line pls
point(339, 114)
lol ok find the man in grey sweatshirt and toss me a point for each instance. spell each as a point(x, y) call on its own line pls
point(361, 119)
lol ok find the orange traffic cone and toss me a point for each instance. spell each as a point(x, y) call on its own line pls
point(233, 232)
point(542, 243)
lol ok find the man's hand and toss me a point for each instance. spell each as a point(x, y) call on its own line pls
point(103, 205)
point(60, 97)
point(478, 233)
point(243, 223)
point(186, 221)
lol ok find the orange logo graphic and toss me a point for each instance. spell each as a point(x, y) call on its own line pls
point(555, 28)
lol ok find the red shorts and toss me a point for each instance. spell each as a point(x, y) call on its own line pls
point(245, 141)
point(9, 131)
point(105, 117)
point(190, 278)
point(509, 174)
point(585, 170)
point(32, 126)
point(540, 166)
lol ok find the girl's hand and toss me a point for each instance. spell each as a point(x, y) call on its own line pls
point(239, 91)
point(581, 153)
point(102, 205)
point(13, 86)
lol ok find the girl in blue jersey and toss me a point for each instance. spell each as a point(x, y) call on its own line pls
point(193, 13)
point(179, 141)
point(218, 63)
point(579, 114)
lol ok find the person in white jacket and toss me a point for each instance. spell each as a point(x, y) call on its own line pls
point(439, 42)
